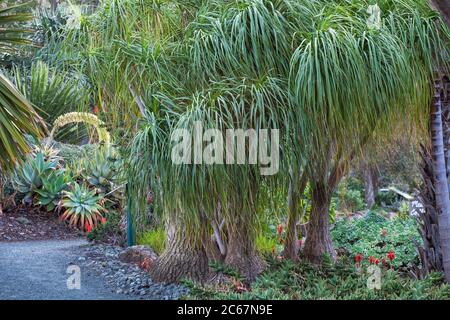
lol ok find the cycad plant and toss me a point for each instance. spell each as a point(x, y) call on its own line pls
point(17, 116)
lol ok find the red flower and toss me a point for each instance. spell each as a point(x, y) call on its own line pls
point(391, 255)
point(103, 220)
point(377, 261)
point(88, 227)
point(358, 258)
point(372, 260)
point(279, 229)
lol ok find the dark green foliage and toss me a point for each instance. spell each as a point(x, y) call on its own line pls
point(350, 196)
point(53, 92)
point(286, 280)
point(375, 236)
point(110, 232)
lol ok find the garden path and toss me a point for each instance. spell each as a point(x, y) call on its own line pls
point(35, 270)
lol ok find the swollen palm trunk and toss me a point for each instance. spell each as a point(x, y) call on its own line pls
point(241, 252)
point(318, 240)
point(296, 188)
point(183, 258)
point(440, 176)
point(370, 185)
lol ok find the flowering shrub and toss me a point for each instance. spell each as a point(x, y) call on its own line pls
point(379, 238)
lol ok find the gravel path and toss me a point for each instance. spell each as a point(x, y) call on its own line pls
point(38, 270)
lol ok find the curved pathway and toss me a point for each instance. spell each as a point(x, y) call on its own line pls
point(37, 270)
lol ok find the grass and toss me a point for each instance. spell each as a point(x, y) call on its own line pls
point(155, 239)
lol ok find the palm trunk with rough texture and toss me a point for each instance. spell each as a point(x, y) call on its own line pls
point(370, 185)
point(430, 249)
point(440, 177)
point(296, 188)
point(443, 6)
point(183, 258)
point(446, 124)
point(318, 241)
point(241, 251)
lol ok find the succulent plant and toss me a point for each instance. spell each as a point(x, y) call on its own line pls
point(50, 193)
point(50, 154)
point(28, 176)
point(83, 207)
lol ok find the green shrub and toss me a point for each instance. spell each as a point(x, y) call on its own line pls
point(374, 235)
point(155, 239)
point(403, 211)
point(350, 196)
point(110, 231)
point(287, 280)
point(265, 245)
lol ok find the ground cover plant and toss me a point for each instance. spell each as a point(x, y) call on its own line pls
point(352, 95)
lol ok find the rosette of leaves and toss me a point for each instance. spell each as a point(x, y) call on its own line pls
point(50, 153)
point(102, 172)
point(29, 175)
point(83, 207)
point(51, 192)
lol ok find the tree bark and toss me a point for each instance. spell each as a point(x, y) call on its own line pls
point(440, 177)
point(370, 185)
point(241, 251)
point(184, 257)
point(318, 241)
point(296, 188)
point(430, 253)
point(443, 6)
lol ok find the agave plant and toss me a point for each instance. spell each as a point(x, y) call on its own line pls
point(50, 193)
point(29, 176)
point(50, 154)
point(83, 207)
point(102, 170)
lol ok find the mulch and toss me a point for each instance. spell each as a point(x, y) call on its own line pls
point(24, 223)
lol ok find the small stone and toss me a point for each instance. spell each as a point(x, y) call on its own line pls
point(138, 254)
point(23, 220)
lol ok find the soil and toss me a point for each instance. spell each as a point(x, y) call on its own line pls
point(25, 223)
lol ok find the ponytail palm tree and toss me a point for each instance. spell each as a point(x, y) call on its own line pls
point(314, 69)
point(232, 77)
point(17, 116)
point(351, 79)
